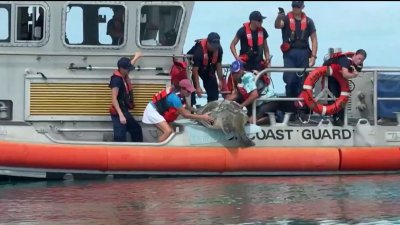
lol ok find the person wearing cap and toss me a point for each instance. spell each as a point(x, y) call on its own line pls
point(247, 90)
point(167, 105)
point(297, 29)
point(207, 57)
point(253, 44)
point(122, 101)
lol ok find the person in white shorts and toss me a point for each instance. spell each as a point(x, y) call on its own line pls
point(167, 105)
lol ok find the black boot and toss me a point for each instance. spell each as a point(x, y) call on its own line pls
point(338, 122)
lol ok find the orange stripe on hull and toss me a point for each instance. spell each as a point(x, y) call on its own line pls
point(198, 159)
point(53, 156)
point(166, 159)
point(370, 158)
point(283, 159)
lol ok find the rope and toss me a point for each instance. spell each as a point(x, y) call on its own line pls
point(302, 73)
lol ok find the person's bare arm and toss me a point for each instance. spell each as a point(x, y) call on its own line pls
point(314, 48)
point(136, 57)
point(195, 74)
point(186, 113)
point(266, 53)
point(221, 79)
point(349, 75)
point(219, 72)
point(233, 47)
point(253, 96)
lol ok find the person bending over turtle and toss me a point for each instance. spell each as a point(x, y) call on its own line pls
point(247, 90)
point(167, 105)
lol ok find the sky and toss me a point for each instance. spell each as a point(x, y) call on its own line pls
point(371, 25)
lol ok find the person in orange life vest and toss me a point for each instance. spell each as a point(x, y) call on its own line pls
point(115, 26)
point(247, 90)
point(122, 101)
point(348, 65)
point(178, 72)
point(167, 105)
point(207, 57)
point(296, 28)
point(253, 44)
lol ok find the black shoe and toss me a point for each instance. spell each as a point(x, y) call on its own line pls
point(304, 117)
point(338, 122)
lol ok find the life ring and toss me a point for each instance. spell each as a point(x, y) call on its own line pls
point(319, 108)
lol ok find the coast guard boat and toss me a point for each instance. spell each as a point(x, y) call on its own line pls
point(56, 61)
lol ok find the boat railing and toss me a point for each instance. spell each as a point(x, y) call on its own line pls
point(374, 70)
point(72, 66)
point(62, 130)
point(178, 129)
point(165, 142)
point(83, 54)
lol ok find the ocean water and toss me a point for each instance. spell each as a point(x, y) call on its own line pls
point(205, 200)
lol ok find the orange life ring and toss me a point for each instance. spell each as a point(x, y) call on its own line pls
point(319, 108)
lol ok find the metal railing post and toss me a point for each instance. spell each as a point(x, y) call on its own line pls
point(375, 97)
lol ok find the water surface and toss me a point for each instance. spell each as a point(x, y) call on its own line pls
point(212, 200)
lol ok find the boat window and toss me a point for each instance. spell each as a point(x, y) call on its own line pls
point(74, 26)
point(92, 24)
point(159, 25)
point(5, 23)
point(30, 23)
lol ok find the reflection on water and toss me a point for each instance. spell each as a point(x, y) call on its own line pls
point(216, 200)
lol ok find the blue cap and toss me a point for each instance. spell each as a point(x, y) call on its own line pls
point(236, 66)
point(125, 63)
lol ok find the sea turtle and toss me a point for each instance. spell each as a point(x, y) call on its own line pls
point(229, 117)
